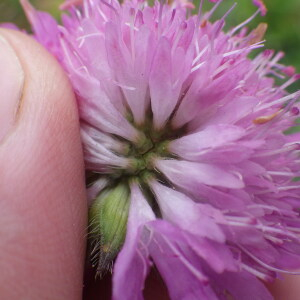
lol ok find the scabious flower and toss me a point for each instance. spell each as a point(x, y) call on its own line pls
point(184, 144)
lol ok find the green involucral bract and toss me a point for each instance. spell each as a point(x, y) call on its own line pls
point(108, 220)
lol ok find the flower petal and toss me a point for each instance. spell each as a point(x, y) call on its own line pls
point(132, 264)
point(171, 257)
point(193, 145)
point(189, 174)
point(163, 94)
point(193, 217)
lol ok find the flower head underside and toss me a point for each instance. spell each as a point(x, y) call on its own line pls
point(188, 165)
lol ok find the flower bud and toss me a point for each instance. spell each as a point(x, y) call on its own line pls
point(108, 220)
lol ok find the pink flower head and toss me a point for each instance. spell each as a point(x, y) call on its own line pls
point(173, 110)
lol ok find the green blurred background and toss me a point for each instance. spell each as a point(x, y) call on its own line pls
point(283, 19)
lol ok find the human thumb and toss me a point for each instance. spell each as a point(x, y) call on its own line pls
point(42, 193)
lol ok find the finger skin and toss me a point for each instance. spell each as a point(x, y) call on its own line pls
point(286, 288)
point(42, 194)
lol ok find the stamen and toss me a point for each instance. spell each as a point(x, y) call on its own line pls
point(294, 229)
point(256, 273)
point(274, 209)
point(273, 239)
point(264, 64)
point(274, 73)
point(143, 259)
point(67, 52)
point(263, 228)
point(289, 70)
point(265, 119)
point(86, 9)
point(209, 15)
point(282, 100)
point(101, 13)
point(257, 61)
point(229, 11)
point(290, 81)
point(287, 188)
point(199, 13)
point(276, 58)
point(197, 67)
point(123, 86)
point(197, 25)
point(245, 220)
point(258, 33)
point(260, 4)
point(235, 29)
point(288, 174)
point(200, 55)
point(287, 148)
point(251, 47)
point(81, 39)
point(265, 265)
point(222, 68)
point(186, 262)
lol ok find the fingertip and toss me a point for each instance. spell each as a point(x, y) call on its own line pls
point(43, 79)
point(42, 192)
point(286, 288)
point(11, 87)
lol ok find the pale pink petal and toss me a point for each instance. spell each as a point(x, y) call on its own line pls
point(163, 94)
point(132, 264)
point(190, 174)
point(194, 145)
point(188, 215)
point(170, 258)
